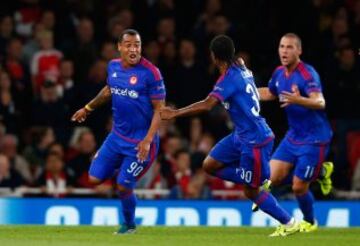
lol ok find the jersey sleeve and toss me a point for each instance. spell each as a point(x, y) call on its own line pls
point(156, 86)
point(222, 90)
point(272, 82)
point(272, 86)
point(312, 84)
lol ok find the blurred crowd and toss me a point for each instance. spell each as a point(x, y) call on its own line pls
point(54, 55)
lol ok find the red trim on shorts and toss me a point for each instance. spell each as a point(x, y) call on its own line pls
point(131, 140)
point(257, 168)
point(319, 164)
point(265, 142)
point(151, 160)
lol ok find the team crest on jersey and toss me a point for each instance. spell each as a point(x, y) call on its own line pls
point(294, 88)
point(133, 80)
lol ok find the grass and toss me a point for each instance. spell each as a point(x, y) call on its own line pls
point(169, 236)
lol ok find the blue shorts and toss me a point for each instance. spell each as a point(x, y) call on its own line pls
point(306, 158)
point(117, 156)
point(251, 161)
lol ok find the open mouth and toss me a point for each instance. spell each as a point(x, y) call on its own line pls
point(132, 56)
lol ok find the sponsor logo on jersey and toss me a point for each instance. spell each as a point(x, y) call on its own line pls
point(124, 92)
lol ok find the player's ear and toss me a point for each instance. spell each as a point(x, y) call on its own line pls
point(119, 46)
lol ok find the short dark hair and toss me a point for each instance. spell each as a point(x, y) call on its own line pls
point(223, 48)
point(131, 32)
point(294, 36)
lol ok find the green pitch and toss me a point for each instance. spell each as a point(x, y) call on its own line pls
point(169, 236)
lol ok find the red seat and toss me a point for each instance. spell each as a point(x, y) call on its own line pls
point(353, 149)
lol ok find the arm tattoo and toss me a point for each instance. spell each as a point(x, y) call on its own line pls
point(101, 98)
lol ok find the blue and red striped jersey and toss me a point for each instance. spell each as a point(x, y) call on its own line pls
point(237, 92)
point(133, 90)
point(306, 126)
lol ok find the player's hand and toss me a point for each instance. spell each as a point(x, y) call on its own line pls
point(288, 98)
point(143, 149)
point(239, 62)
point(80, 115)
point(167, 113)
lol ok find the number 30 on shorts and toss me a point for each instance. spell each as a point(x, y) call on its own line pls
point(135, 169)
point(245, 175)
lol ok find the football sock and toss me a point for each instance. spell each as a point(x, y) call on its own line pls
point(269, 205)
point(306, 204)
point(128, 202)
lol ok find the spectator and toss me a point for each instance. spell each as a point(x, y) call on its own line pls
point(6, 33)
point(9, 178)
point(45, 63)
point(82, 50)
point(189, 78)
point(182, 175)
point(56, 180)
point(8, 110)
point(35, 153)
point(9, 147)
point(50, 110)
point(85, 148)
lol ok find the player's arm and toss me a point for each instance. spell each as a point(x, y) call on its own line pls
point(265, 94)
point(101, 98)
point(199, 107)
point(143, 147)
point(314, 101)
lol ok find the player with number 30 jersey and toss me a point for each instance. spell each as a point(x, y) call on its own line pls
point(243, 156)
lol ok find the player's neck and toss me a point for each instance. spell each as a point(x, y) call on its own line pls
point(291, 67)
point(223, 67)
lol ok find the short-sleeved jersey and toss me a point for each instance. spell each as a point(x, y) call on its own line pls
point(306, 126)
point(132, 90)
point(237, 92)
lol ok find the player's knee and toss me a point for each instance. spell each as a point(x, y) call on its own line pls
point(95, 181)
point(210, 165)
point(122, 189)
point(299, 189)
point(275, 179)
point(251, 193)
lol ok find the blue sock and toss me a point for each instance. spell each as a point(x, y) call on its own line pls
point(306, 204)
point(228, 173)
point(269, 205)
point(128, 202)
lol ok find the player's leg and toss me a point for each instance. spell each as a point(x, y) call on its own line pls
point(104, 163)
point(254, 169)
point(305, 200)
point(131, 170)
point(219, 162)
point(281, 165)
point(307, 170)
point(268, 203)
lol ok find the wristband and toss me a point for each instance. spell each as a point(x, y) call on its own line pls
point(88, 108)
